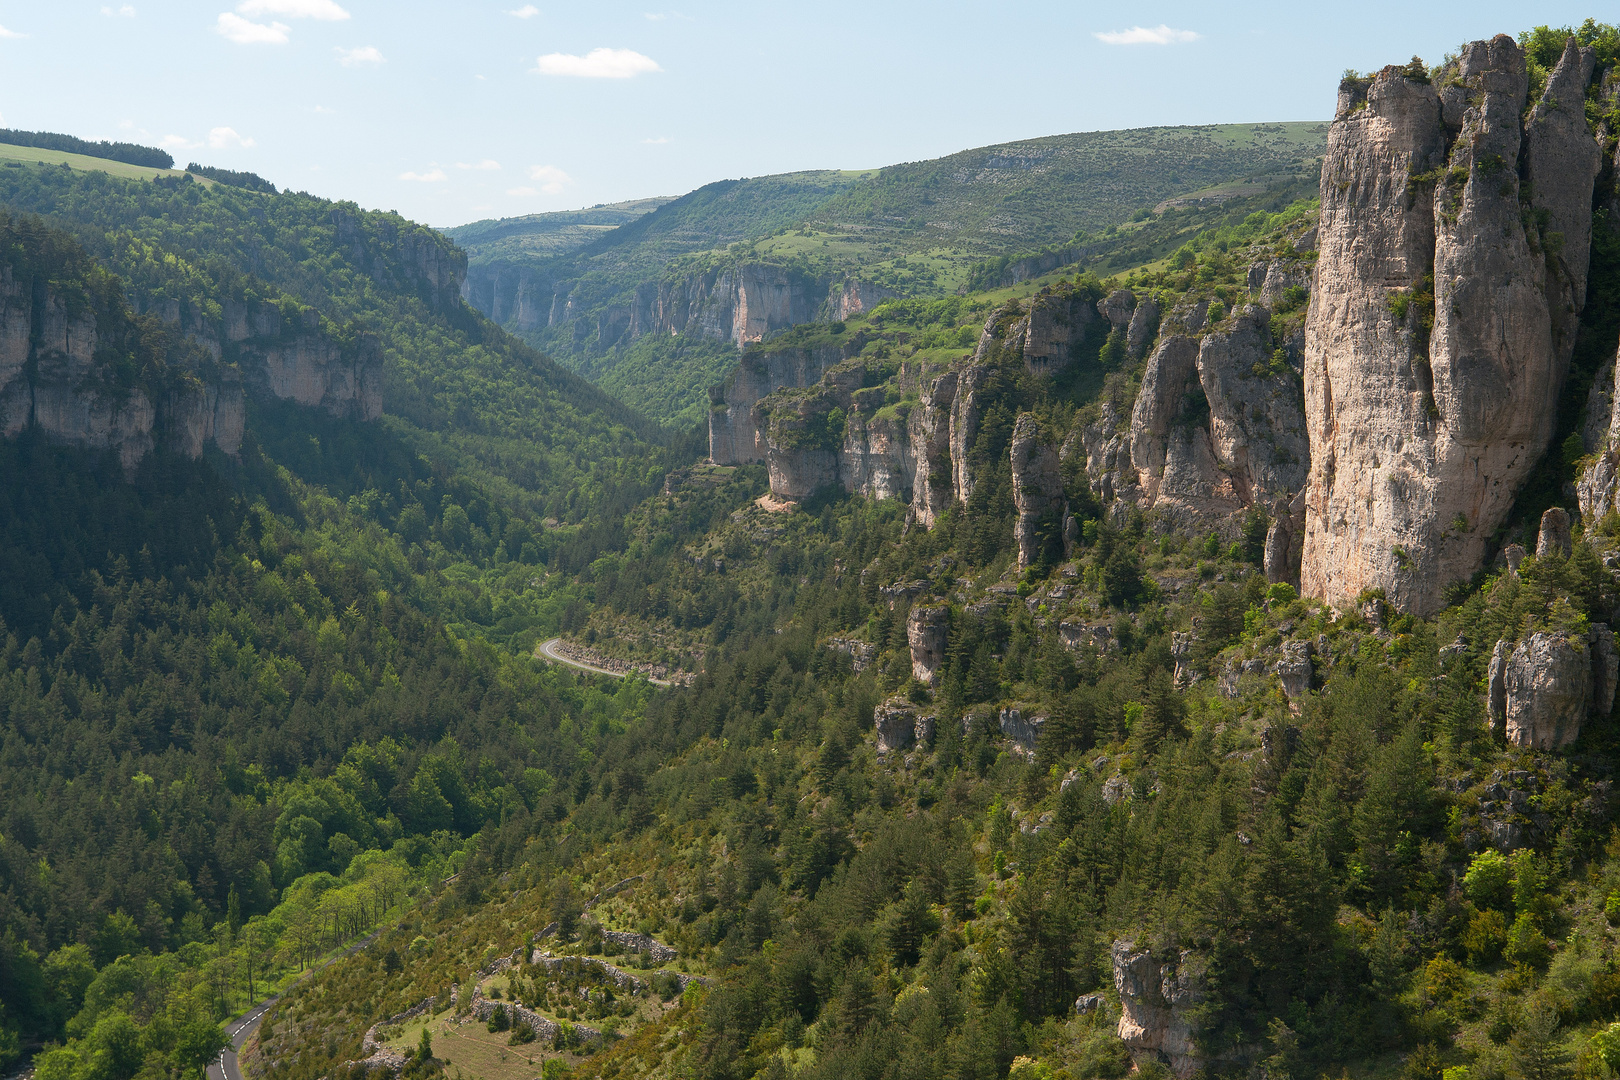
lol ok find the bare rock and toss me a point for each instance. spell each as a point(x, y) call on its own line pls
point(1144, 325)
point(735, 435)
point(1116, 789)
point(1550, 684)
point(1419, 447)
point(930, 430)
point(1037, 487)
point(1057, 323)
point(926, 628)
point(1023, 731)
point(1117, 307)
point(1294, 669)
point(895, 721)
point(1554, 536)
point(1157, 1002)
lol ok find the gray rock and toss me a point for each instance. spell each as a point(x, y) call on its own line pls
point(1144, 325)
point(1117, 308)
point(926, 628)
point(1157, 1003)
point(1405, 440)
point(1023, 731)
point(895, 722)
point(1294, 669)
point(1554, 536)
point(1037, 487)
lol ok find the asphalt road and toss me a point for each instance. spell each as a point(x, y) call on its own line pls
point(548, 650)
point(240, 1029)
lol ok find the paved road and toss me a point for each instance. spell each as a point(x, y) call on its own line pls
point(548, 650)
point(242, 1028)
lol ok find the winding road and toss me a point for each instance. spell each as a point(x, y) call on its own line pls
point(242, 1028)
point(548, 651)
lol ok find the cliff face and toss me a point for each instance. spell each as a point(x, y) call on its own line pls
point(742, 302)
point(735, 436)
point(288, 356)
point(61, 355)
point(1421, 438)
point(1216, 429)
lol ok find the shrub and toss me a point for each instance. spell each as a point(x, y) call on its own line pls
point(1526, 944)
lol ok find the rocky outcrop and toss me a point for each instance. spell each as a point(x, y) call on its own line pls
point(1024, 732)
point(1553, 539)
point(926, 629)
point(1057, 324)
point(1156, 1006)
point(1117, 307)
point(735, 437)
point(1598, 490)
point(898, 725)
point(930, 430)
point(1216, 430)
point(58, 377)
point(1144, 326)
point(1037, 483)
point(1294, 670)
point(1541, 691)
point(1420, 440)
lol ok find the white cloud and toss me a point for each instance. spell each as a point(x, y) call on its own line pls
point(237, 29)
point(527, 11)
point(521, 191)
point(177, 142)
point(324, 109)
point(325, 10)
point(432, 176)
point(222, 138)
point(487, 165)
point(597, 64)
point(660, 141)
point(365, 54)
point(127, 12)
point(1146, 35)
point(553, 179)
point(4, 33)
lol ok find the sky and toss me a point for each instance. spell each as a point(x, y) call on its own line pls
point(454, 112)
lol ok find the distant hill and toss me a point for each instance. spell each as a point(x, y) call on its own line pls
point(825, 244)
point(546, 235)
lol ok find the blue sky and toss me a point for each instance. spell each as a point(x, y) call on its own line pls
point(450, 112)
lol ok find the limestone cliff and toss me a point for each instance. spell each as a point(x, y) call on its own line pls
point(1216, 428)
point(1442, 317)
point(739, 302)
point(77, 366)
point(1043, 525)
point(734, 437)
point(288, 354)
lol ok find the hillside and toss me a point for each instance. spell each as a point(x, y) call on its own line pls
point(1188, 652)
point(820, 246)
